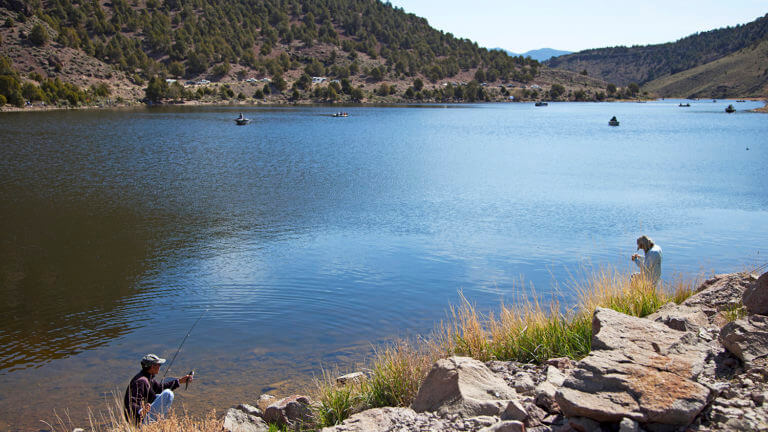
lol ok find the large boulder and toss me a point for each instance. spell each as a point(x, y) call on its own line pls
point(720, 293)
point(747, 338)
point(755, 297)
point(293, 409)
point(238, 420)
point(465, 387)
point(637, 369)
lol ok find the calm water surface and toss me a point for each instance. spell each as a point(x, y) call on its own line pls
point(309, 238)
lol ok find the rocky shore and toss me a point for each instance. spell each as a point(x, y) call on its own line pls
point(697, 366)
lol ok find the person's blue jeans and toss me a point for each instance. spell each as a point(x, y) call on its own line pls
point(160, 407)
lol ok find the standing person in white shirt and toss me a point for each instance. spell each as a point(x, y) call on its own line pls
point(650, 264)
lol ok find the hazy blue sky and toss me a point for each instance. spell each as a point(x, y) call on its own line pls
point(575, 25)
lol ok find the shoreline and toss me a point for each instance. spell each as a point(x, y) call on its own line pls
point(187, 103)
point(712, 330)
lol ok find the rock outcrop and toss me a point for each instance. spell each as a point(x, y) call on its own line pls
point(639, 370)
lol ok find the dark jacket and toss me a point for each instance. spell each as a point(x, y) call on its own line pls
point(142, 389)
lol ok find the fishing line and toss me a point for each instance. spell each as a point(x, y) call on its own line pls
point(182, 344)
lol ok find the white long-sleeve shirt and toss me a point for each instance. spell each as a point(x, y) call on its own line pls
point(650, 265)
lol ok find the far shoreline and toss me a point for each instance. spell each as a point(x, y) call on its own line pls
point(193, 103)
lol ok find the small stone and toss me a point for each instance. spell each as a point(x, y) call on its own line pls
point(354, 377)
point(746, 382)
point(514, 411)
point(249, 409)
point(562, 363)
point(583, 424)
point(758, 397)
point(523, 383)
point(505, 426)
point(629, 425)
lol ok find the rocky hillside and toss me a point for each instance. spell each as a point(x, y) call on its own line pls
point(273, 51)
point(697, 366)
point(640, 64)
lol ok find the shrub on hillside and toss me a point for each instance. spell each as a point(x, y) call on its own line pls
point(38, 35)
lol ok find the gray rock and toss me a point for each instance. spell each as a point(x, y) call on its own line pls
point(523, 383)
point(562, 363)
point(637, 369)
point(463, 386)
point(722, 292)
point(544, 394)
point(679, 317)
point(239, 421)
point(755, 297)
point(545, 397)
point(249, 409)
point(375, 420)
point(629, 425)
point(747, 338)
point(354, 377)
point(481, 422)
point(583, 424)
point(514, 411)
point(505, 426)
point(758, 398)
point(292, 409)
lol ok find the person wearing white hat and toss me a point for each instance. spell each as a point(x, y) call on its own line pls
point(650, 264)
point(147, 400)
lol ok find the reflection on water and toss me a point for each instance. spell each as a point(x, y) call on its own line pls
point(310, 238)
point(68, 280)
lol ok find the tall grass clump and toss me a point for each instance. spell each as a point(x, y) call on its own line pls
point(397, 373)
point(335, 403)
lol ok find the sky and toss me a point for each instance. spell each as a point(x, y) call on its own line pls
point(520, 26)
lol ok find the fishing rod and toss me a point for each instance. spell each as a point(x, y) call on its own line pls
point(180, 345)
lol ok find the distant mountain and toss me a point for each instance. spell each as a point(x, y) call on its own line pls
point(541, 55)
point(641, 64)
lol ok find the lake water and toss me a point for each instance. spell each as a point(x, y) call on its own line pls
point(310, 238)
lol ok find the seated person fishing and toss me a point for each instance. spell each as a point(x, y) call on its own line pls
point(147, 400)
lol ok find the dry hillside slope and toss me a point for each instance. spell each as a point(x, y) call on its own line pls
point(742, 74)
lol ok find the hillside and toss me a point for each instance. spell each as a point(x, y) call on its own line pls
point(360, 50)
point(742, 74)
point(640, 64)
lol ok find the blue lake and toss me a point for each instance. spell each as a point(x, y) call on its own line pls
point(310, 239)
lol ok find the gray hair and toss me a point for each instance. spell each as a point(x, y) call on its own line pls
point(644, 242)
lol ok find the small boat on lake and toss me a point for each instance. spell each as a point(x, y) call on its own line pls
point(685, 105)
point(541, 103)
point(240, 121)
point(613, 121)
point(740, 101)
point(340, 114)
point(730, 109)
